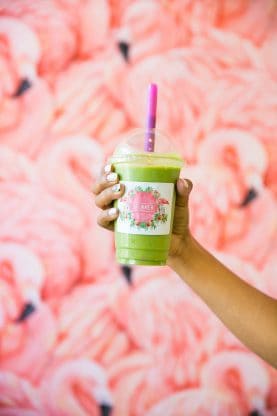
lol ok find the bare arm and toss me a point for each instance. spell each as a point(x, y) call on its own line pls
point(247, 312)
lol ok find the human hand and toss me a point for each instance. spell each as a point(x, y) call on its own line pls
point(107, 189)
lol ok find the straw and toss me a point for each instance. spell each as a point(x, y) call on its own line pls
point(149, 141)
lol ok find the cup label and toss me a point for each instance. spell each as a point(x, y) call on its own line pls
point(145, 208)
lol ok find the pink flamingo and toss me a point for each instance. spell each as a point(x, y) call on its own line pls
point(91, 22)
point(185, 345)
point(15, 166)
point(48, 226)
point(145, 39)
point(75, 163)
point(250, 19)
point(241, 374)
point(243, 231)
point(93, 110)
point(221, 221)
point(137, 383)
point(230, 147)
point(22, 123)
point(29, 122)
point(211, 201)
point(241, 101)
point(21, 270)
point(203, 78)
point(228, 50)
point(142, 25)
point(197, 401)
point(52, 25)
point(27, 328)
point(24, 55)
point(76, 388)
point(29, 339)
point(18, 396)
point(91, 332)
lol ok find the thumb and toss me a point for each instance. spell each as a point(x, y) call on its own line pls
point(184, 187)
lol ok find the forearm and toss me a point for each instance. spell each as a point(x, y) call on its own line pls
point(248, 313)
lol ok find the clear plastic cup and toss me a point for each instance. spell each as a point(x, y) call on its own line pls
point(146, 210)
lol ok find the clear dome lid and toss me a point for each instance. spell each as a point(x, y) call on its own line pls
point(131, 149)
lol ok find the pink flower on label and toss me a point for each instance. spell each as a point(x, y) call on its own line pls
point(163, 201)
point(143, 207)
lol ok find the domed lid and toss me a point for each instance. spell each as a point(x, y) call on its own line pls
point(131, 149)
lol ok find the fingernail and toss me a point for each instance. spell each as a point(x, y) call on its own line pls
point(111, 177)
point(116, 187)
point(112, 212)
point(107, 168)
point(185, 182)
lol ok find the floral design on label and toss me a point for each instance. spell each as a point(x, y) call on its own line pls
point(145, 208)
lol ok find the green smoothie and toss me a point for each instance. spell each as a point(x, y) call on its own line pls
point(143, 229)
point(144, 224)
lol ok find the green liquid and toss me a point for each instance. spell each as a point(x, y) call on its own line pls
point(144, 249)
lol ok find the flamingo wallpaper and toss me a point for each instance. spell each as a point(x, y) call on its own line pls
point(80, 335)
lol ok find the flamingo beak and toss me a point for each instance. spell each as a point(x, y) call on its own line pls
point(249, 197)
point(255, 413)
point(23, 86)
point(127, 273)
point(124, 49)
point(106, 410)
point(27, 310)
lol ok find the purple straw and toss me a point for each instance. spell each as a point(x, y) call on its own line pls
point(149, 141)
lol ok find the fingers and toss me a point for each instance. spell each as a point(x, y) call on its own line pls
point(106, 218)
point(184, 187)
point(106, 189)
point(106, 197)
point(107, 178)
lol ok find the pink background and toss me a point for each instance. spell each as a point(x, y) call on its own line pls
point(78, 334)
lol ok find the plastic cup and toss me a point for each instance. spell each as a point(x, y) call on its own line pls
point(146, 210)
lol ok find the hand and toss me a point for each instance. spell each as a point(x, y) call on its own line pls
point(181, 236)
point(107, 188)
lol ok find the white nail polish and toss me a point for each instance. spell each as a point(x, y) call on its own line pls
point(111, 177)
point(112, 212)
point(116, 187)
point(107, 168)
